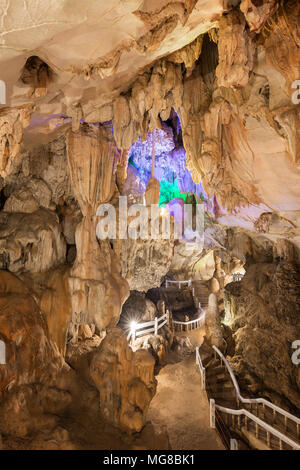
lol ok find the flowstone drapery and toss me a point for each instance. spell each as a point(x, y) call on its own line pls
point(97, 288)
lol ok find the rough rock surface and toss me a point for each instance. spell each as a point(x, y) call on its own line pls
point(215, 82)
point(31, 242)
point(236, 51)
point(32, 363)
point(56, 304)
point(144, 263)
point(30, 353)
point(125, 381)
point(213, 324)
point(264, 313)
point(137, 307)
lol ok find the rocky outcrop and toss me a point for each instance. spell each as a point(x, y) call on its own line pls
point(138, 308)
point(258, 13)
point(30, 354)
point(144, 263)
point(236, 51)
point(141, 309)
point(282, 43)
point(125, 381)
point(31, 242)
point(55, 302)
point(263, 312)
point(49, 163)
point(12, 123)
point(213, 323)
point(29, 197)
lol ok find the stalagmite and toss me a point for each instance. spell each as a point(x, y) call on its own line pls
point(153, 186)
point(213, 323)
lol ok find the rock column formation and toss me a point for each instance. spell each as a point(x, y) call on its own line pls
point(125, 381)
point(97, 288)
point(213, 324)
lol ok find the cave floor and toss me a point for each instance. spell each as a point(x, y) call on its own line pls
point(181, 406)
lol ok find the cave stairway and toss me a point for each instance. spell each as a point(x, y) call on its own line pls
point(201, 292)
point(198, 291)
point(234, 420)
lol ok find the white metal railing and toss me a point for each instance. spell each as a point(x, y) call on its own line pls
point(192, 324)
point(258, 423)
point(263, 401)
point(179, 283)
point(146, 328)
point(237, 277)
point(201, 368)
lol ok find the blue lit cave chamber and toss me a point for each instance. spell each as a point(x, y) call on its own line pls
point(176, 182)
point(165, 146)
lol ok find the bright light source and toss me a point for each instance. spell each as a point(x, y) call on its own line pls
point(163, 211)
point(133, 326)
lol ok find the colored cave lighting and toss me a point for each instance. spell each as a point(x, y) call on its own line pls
point(170, 166)
point(169, 191)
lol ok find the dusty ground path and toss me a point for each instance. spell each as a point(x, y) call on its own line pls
point(181, 406)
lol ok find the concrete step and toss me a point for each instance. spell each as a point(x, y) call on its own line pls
point(277, 422)
point(213, 371)
point(219, 379)
point(219, 386)
point(223, 395)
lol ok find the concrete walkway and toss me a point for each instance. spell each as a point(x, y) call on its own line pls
point(183, 408)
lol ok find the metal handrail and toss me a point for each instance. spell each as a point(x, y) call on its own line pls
point(260, 422)
point(150, 326)
point(201, 368)
point(254, 400)
point(188, 282)
point(201, 318)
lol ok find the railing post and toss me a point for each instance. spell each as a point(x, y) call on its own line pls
point(233, 444)
point(212, 413)
point(155, 325)
point(203, 380)
point(2, 92)
point(2, 353)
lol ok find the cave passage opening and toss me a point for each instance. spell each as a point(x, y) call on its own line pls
point(176, 183)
